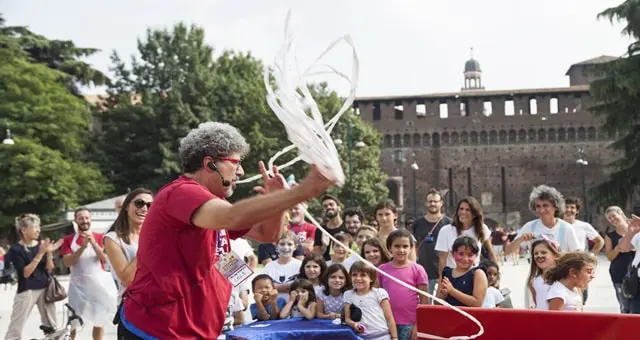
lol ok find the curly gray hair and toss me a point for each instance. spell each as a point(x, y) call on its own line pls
point(547, 193)
point(212, 139)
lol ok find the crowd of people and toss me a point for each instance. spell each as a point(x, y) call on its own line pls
point(179, 265)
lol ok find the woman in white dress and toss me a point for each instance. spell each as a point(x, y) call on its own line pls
point(121, 241)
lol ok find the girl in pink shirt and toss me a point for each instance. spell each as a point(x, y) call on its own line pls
point(403, 301)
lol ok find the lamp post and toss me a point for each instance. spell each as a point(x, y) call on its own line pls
point(350, 146)
point(583, 162)
point(8, 140)
point(415, 167)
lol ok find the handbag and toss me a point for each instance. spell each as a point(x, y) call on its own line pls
point(54, 291)
point(631, 283)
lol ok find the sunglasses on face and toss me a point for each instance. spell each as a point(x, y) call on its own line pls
point(139, 203)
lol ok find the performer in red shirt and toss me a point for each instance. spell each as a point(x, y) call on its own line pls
point(178, 291)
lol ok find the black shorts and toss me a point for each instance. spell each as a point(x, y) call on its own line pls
point(124, 334)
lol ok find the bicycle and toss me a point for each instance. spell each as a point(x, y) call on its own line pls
point(73, 321)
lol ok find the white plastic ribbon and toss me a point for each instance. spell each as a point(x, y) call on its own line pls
point(289, 101)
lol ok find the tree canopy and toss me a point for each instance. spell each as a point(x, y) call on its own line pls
point(617, 100)
point(45, 170)
point(67, 152)
point(177, 83)
point(61, 55)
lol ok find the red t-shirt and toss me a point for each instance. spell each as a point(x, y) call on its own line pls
point(304, 231)
point(65, 249)
point(177, 292)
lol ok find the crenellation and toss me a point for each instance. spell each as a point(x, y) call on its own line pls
point(432, 108)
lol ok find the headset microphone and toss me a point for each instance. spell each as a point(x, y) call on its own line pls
point(213, 167)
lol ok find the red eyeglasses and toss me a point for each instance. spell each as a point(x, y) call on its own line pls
point(232, 160)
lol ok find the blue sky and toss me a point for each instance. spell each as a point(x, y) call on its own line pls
point(405, 47)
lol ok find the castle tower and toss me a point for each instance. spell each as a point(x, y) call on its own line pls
point(472, 75)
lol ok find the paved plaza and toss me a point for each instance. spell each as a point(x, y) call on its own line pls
point(601, 299)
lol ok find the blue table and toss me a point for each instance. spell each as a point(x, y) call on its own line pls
point(294, 328)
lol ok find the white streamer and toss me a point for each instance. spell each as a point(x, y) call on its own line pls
point(290, 101)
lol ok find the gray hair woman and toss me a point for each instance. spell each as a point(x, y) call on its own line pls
point(179, 291)
point(620, 259)
point(548, 204)
point(33, 262)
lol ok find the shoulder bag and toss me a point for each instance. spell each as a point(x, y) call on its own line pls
point(54, 291)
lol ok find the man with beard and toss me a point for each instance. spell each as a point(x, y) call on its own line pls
point(583, 230)
point(425, 229)
point(353, 218)
point(333, 224)
point(184, 277)
point(92, 292)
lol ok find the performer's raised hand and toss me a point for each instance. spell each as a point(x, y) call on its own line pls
point(270, 184)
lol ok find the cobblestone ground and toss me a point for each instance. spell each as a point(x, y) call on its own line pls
point(601, 299)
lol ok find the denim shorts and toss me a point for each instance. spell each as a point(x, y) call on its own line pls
point(404, 332)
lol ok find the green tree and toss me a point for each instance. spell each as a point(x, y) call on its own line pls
point(62, 55)
point(44, 171)
point(176, 84)
point(152, 104)
point(617, 100)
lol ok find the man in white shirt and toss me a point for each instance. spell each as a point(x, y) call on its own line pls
point(584, 232)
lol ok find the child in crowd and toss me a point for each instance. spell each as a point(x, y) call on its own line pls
point(404, 302)
point(545, 255)
point(268, 304)
point(339, 253)
point(494, 297)
point(377, 321)
point(375, 252)
point(234, 314)
point(302, 301)
point(568, 278)
point(364, 233)
point(285, 269)
point(330, 299)
point(464, 285)
point(268, 252)
point(312, 268)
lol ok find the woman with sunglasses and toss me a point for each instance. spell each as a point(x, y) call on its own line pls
point(121, 241)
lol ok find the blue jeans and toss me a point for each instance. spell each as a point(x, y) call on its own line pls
point(625, 305)
point(404, 332)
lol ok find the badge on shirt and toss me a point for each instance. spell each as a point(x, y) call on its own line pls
point(234, 268)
